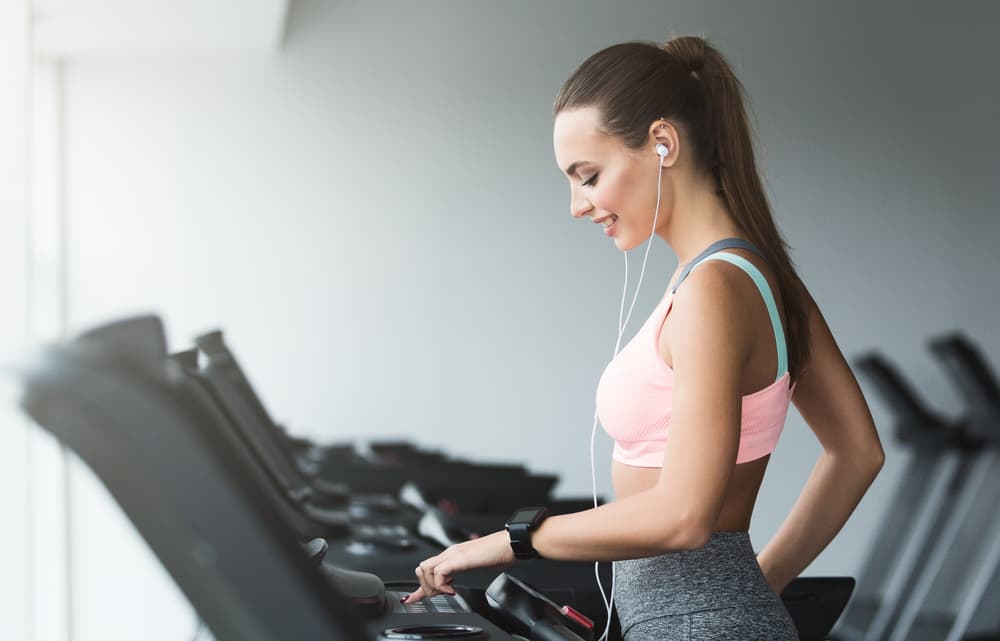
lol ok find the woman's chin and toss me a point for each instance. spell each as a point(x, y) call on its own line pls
point(624, 243)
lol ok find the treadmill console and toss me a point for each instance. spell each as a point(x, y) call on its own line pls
point(507, 607)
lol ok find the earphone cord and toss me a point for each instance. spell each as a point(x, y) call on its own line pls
point(609, 600)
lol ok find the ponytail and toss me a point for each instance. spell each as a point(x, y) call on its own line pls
point(733, 164)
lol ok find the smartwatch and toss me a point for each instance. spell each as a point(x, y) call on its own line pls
point(519, 527)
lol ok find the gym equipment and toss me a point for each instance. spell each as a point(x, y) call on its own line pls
point(141, 437)
point(484, 488)
point(111, 397)
point(907, 528)
point(953, 595)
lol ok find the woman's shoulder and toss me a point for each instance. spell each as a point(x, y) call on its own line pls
point(710, 309)
point(721, 286)
point(719, 307)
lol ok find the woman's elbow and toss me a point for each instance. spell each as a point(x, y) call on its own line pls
point(865, 460)
point(873, 457)
point(877, 462)
point(686, 533)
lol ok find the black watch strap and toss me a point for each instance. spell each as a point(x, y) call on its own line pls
point(519, 527)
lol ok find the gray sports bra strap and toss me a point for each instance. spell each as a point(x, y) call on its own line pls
point(725, 243)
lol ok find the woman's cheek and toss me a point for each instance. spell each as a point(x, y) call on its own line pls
point(606, 201)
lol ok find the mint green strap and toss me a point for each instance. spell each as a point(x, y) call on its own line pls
point(765, 291)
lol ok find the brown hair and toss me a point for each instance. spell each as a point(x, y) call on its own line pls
point(690, 83)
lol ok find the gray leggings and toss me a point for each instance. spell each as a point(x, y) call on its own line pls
point(715, 592)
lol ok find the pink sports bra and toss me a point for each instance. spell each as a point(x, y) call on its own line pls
point(634, 393)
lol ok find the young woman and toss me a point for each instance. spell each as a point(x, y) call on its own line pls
point(656, 141)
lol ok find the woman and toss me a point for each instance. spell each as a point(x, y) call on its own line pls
point(697, 399)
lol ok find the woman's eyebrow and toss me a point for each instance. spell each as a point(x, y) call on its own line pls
point(572, 168)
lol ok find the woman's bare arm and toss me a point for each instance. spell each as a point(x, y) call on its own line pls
point(829, 399)
point(710, 344)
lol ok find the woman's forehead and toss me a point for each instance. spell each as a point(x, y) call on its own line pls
point(577, 123)
point(575, 134)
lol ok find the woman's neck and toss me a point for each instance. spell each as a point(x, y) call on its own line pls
point(699, 218)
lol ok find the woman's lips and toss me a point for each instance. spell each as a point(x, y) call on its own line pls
point(609, 227)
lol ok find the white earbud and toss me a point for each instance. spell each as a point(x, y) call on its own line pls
point(662, 150)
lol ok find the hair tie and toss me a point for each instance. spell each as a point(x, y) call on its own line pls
point(695, 66)
point(692, 64)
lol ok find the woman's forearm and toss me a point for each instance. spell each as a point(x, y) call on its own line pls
point(833, 490)
point(645, 524)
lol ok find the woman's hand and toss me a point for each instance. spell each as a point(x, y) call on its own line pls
point(435, 574)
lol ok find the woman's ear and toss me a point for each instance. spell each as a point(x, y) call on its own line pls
point(662, 132)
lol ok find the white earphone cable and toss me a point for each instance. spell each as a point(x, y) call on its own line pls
point(609, 600)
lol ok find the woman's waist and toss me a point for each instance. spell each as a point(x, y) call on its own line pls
point(721, 574)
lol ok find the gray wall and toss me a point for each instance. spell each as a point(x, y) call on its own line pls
point(375, 217)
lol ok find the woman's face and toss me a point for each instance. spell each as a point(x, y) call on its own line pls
point(609, 183)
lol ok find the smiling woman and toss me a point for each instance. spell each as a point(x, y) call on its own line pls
point(697, 400)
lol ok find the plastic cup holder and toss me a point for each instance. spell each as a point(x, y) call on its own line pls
point(431, 631)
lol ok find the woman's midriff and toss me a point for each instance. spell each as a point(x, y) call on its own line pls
point(737, 506)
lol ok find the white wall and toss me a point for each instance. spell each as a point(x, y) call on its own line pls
point(15, 534)
point(375, 217)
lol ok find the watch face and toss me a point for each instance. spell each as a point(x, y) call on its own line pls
point(523, 515)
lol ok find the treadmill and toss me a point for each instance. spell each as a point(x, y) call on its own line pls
point(956, 591)
point(484, 488)
point(921, 493)
point(110, 396)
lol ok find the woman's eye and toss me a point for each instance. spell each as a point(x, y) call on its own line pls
point(591, 181)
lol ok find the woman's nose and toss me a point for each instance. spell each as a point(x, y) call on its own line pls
point(578, 207)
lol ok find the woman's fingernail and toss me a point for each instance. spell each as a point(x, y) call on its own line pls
point(403, 600)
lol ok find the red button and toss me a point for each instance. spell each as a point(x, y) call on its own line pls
point(570, 613)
